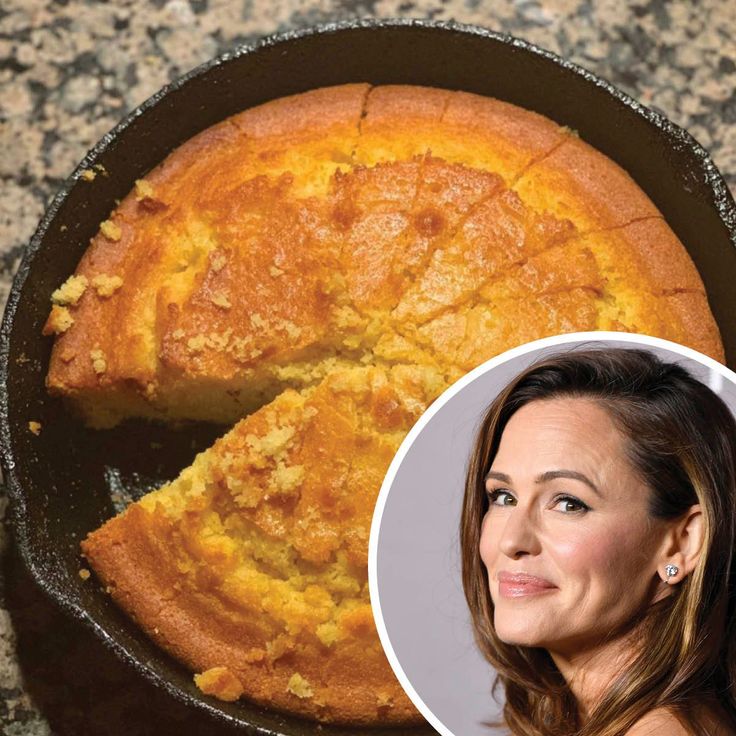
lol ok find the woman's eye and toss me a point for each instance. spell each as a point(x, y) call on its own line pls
point(501, 498)
point(570, 505)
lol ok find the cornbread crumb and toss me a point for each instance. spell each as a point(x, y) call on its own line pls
point(221, 300)
point(70, 292)
point(256, 654)
point(240, 348)
point(88, 175)
point(101, 169)
point(218, 261)
point(291, 329)
point(328, 633)
point(35, 427)
point(299, 686)
point(383, 700)
point(272, 443)
point(287, 478)
point(143, 190)
point(60, 320)
point(220, 682)
point(110, 230)
point(197, 343)
point(218, 340)
point(84, 573)
point(106, 285)
point(257, 321)
point(275, 271)
point(352, 341)
point(346, 317)
point(99, 363)
point(279, 646)
point(63, 229)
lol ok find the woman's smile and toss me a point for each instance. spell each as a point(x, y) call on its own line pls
point(522, 585)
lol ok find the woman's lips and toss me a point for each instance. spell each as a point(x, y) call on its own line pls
point(518, 585)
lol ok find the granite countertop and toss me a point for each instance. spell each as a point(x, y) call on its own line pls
point(70, 70)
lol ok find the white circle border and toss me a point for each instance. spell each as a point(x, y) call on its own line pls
point(447, 395)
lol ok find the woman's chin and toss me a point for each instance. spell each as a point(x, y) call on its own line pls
point(518, 632)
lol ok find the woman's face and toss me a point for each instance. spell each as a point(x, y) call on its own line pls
point(570, 549)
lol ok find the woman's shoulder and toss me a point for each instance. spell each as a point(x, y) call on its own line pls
point(663, 722)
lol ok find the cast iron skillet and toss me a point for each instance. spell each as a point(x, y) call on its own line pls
point(69, 480)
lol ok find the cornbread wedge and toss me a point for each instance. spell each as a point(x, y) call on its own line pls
point(318, 269)
point(251, 567)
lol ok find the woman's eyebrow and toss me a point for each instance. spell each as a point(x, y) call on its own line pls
point(549, 475)
point(492, 474)
point(573, 474)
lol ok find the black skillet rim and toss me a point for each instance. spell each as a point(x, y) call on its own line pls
point(722, 201)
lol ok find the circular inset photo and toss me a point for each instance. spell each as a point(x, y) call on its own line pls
point(552, 550)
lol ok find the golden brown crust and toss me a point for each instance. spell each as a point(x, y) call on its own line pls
point(519, 136)
point(578, 183)
point(403, 121)
point(319, 110)
point(699, 331)
point(652, 286)
point(659, 256)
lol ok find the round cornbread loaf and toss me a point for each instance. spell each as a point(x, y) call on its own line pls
point(324, 266)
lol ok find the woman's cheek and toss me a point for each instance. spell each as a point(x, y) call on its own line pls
point(582, 550)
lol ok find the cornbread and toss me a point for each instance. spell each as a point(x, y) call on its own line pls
point(318, 269)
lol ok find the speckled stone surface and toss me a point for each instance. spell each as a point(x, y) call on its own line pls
point(70, 70)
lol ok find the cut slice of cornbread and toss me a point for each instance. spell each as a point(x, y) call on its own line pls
point(251, 567)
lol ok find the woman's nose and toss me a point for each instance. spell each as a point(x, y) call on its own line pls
point(519, 535)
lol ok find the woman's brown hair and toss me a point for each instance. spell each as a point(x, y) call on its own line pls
point(681, 439)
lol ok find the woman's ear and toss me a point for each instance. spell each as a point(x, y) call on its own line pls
point(682, 546)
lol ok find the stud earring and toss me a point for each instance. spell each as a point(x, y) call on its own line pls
point(670, 571)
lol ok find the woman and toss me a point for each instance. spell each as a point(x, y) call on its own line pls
point(601, 495)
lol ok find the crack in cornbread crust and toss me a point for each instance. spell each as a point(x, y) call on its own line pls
point(387, 226)
point(255, 558)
